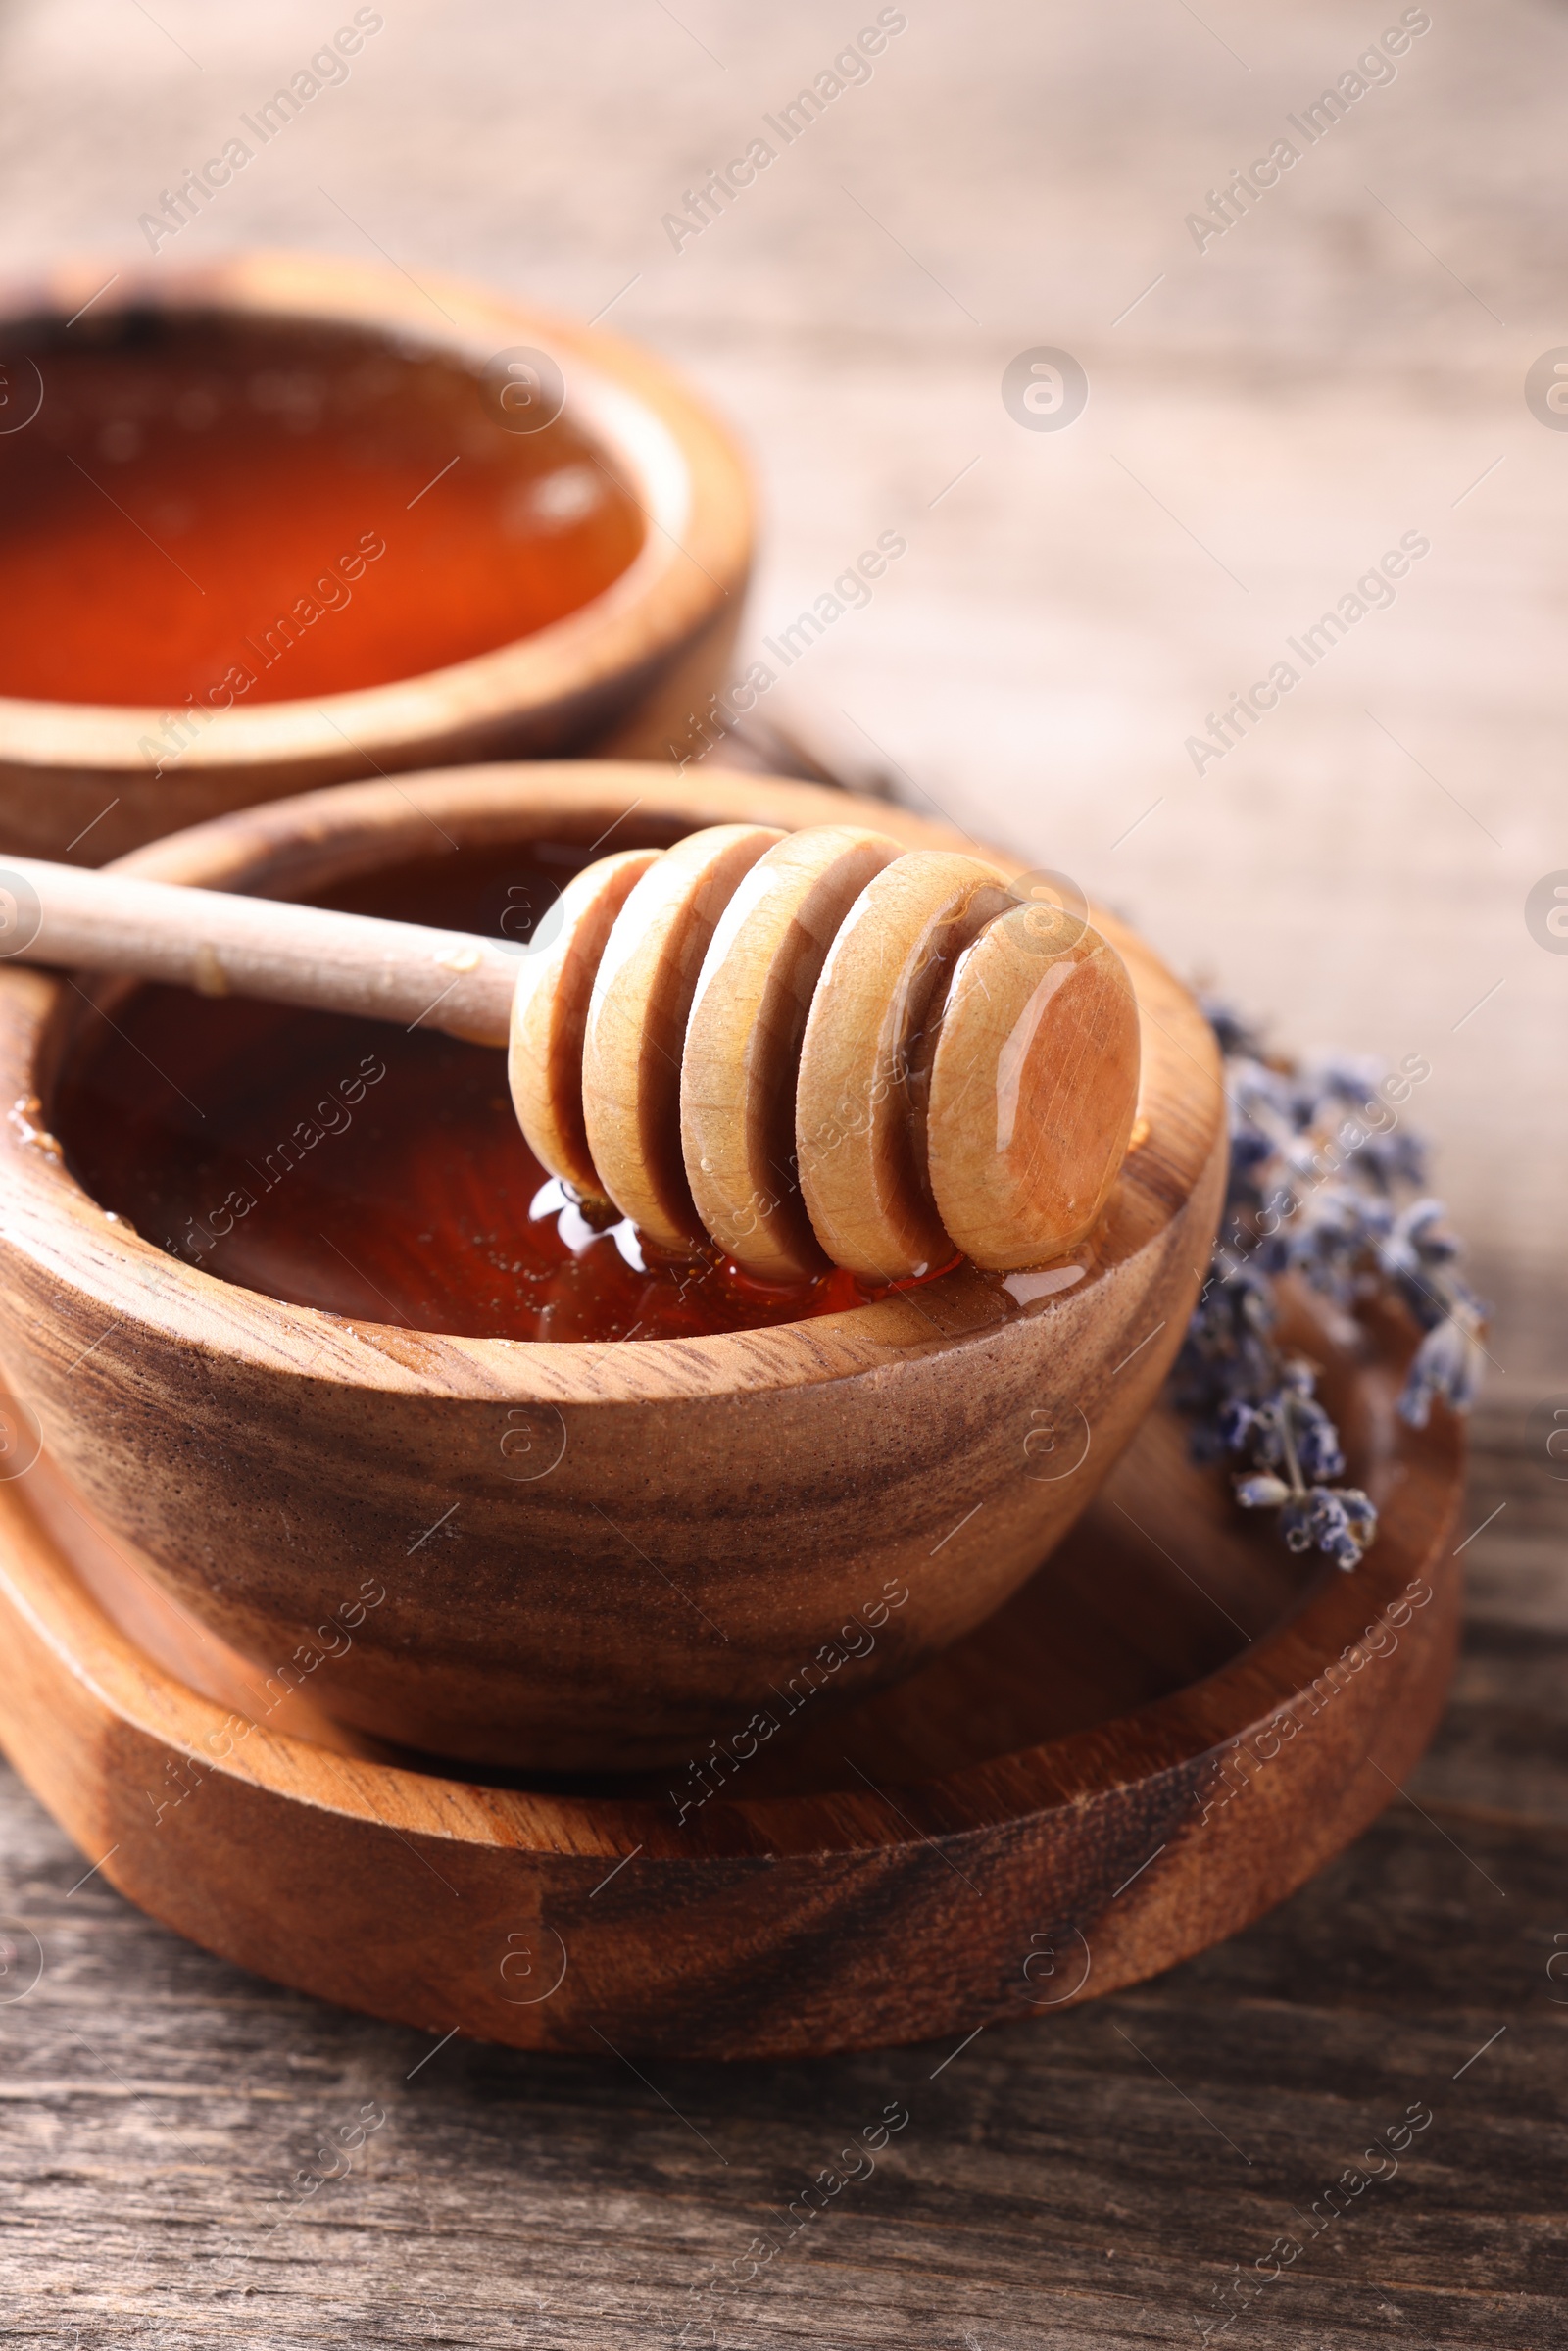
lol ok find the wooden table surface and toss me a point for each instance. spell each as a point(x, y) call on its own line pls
point(1102, 2178)
point(1266, 416)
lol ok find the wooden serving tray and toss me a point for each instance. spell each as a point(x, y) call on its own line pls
point(1169, 1729)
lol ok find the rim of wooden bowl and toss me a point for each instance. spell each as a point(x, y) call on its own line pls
point(284, 845)
point(683, 467)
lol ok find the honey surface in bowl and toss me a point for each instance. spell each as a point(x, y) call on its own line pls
point(234, 513)
point(353, 1166)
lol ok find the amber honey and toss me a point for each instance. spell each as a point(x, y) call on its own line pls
point(216, 513)
point(381, 1175)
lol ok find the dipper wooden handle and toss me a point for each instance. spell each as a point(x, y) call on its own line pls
point(807, 1047)
point(221, 944)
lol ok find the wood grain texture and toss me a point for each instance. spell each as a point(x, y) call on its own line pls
point(616, 672)
point(934, 1879)
point(710, 1510)
point(1052, 2191)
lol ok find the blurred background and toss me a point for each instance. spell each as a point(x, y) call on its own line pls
point(1271, 406)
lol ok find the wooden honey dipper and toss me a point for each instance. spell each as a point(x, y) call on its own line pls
point(805, 1048)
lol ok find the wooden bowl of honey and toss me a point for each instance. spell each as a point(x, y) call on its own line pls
point(316, 1347)
point(285, 521)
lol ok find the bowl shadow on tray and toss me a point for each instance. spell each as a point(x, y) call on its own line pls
point(1117, 1618)
point(1162, 1582)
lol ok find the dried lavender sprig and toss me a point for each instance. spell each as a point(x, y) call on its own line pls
point(1316, 1173)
